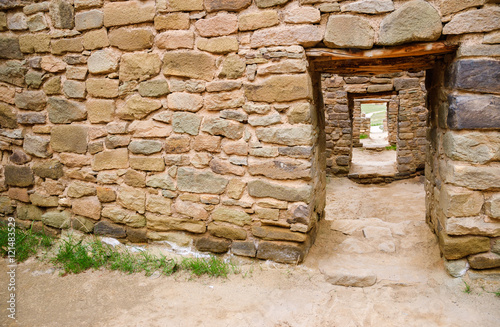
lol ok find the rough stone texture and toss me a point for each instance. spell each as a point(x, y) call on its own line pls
point(481, 20)
point(29, 212)
point(8, 118)
point(228, 5)
point(131, 39)
point(229, 232)
point(284, 252)
point(100, 110)
point(29, 43)
point(176, 40)
point(256, 20)
point(71, 138)
point(74, 89)
point(123, 216)
point(82, 224)
point(219, 25)
point(263, 189)
point(461, 246)
point(474, 112)
point(277, 233)
point(31, 100)
point(180, 5)
point(456, 268)
point(185, 122)
point(223, 127)
point(480, 147)
point(9, 48)
point(194, 181)
point(473, 177)
point(57, 219)
point(484, 260)
point(211, 244)
point(348, 277)
point(184, 101)
point(460, 202)
point(18, 176)
point(172, 21)
point(106, 228)
point(62, 111)
point(62, 14)
point(87, 207)
point(137, 107)
point(305, 35)
point(155, 88)
point(79, 189)
point(297, 135)
point(279, 88)
point(167, 223)
point(233, 67)
point(36, 146)
point(52, 169)
point(472, 226)
point(158, 204)
point(369, 6)
point(127, 12)
point(13, 72)
point(88, 20)
point(246, 249)
point(233, 216)
point(279, 169)
point(111, 159)
point(103, 62)
point(476, 75)
point(147, 163)
point(191, 64)
point(102, 87)
point(348, 31)
point(95, 39)
point(415, 21)
point(218, 45)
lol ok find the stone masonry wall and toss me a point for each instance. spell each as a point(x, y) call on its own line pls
point(407, 115)
point(197, 121)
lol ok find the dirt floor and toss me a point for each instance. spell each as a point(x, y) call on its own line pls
point(369, 232)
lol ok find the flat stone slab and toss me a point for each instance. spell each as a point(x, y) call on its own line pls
point(348, 277)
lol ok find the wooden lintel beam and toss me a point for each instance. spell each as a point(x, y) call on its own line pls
point(412, 50)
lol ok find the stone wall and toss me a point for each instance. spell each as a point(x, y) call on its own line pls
point(406, 113)
point(198, 122)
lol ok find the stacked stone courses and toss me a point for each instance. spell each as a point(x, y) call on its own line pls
point(199, 122)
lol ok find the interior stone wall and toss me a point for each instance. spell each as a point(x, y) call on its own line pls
point(407, 116)
point(197, 121)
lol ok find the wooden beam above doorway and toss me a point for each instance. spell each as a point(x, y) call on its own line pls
point(414, 57)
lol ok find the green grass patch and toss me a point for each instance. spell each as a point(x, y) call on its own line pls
point(391, 147)
point(378, 111)
point(212, 266)
point(363, 136)
point(26, 242)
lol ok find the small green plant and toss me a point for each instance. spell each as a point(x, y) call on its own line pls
point(26, 242)
point(78, 257)
point(363, 136)
point(211, 266)
point(391, 147)
point(467, 288)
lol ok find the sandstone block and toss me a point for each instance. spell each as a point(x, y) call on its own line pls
point(348, 277)
point(369, 6)
point(158, 204)
point(176, 39)
point(19, 194)
point(219, 25)
point(235, 188)
point(473, 112)
point(284, 252)
point(211, 244)
point(180, 5)
point(13, 72)
point(225, 100)
point(31, 100)
point(132, 198)
point(195, 181)
point(233, 216)
point(127, 12)
point(137, 107)
point(28, 212)
point(52, 169)
point(192, 64)
point(123, 216)
point(106, 228)
point(305, 35)
point(78, 73)
point(131, 39)
point(265, 120)
point(277, 233)
point(228, 5)
point(74, 89)
point(225, 167)
point(297, 135)
point(42, 200)
point(80, 4)
point(263, 189)
point(480, 147)
point(57, 219)
point(281, 88)
point(89, 20)
point(79, 189)
point(229, 232)
point(218, 45)
point(280, 169)
point(207, 143)
point(147, 163)
point(458, 247)
point(87, 207)
point(223, 127)
point(167, 223)
point(62, 14)
point(475, 75)
point(493, 206)
point(30, 43)
point(19, 176)
point(95, 39)
point(111, 159)
point(484, 260)
point(474, 21)
point(232, 67)
point(348, 31)
point(246, 249)
point(82, 224)
point(71, 138)
point(269, 3)
point(8, 117)
point(102, 87)
point(155, 88)
point(302, 15)
point(10, 48)
point(36, 146)
point(52, 64)
point(149, 129)
point(172, 21)
point(103, 62)
point(134, 178)
point(185, 122)
point(258, 19)
point(191, 209)
point(177, 144)
point(415, 21)
point(100, 110)
point(145, 146)
point(53, 85)
point(163, 181)
point(139, 66)
point(184, 101)
point(472, 226)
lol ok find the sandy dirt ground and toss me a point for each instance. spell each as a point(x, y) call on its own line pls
point(366, 161)
point(377, 230)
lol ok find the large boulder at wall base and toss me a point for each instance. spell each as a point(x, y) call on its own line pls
point(414, 21)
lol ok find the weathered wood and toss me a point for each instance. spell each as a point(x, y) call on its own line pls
point(413, 50)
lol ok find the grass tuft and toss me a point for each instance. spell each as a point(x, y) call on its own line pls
point(212, 266)
point(27, 243)
point(363, 136)
point(391, 147)
point(467, 288)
